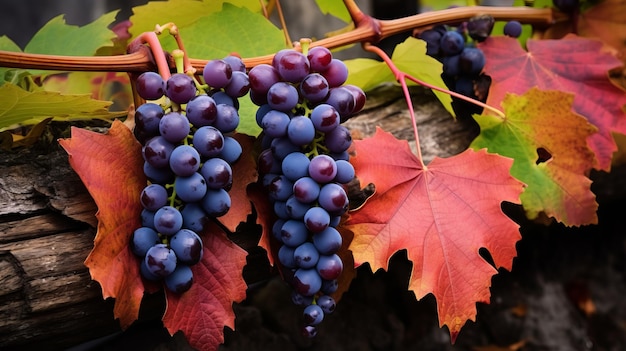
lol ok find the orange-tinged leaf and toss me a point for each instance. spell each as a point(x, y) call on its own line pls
point(202, 312)
point(110, 166)
point(544, 120)
point(265, 218)
point(572, 64)
point(442, 215)
point(606, 21)
point(244, 173)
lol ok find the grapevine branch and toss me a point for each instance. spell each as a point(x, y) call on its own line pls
point(367, 30)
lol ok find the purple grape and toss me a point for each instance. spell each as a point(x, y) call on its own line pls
point(145, 272)
point(147, 118)
point(280, 188)
point(322, 169)
point(329, 286)
point(479, 27)
point(187, 246)
point(158, 175)
point(236, 63)
point(309, 331)
point(327, 303)
point(174, 127)
point(342, 100)
point(345, 172)
point(267, 163)
point(208, 141)
point(191, 188)
point(471, 61)
point(147, 218)
point(180, 280)
point(150, 86)
point(262, 77)
point(201, 111)
point(142, 240)
point(451, 66)
point(157, 152)
point(338, 140)
point(232, 150)
point(282, 96)
point(239, 85)
point(325, 118)
point(432, 38)
point(184, 160)
point(336, 74)
point(153, 197)
point(227, 118)
point(260, 113)
point(300, 300)
point(221, 97)
point(329, 267)
point(359, 97)
point(217, 73)
point(292, 66)
point(168, 220)
point(275, 123)
point(319, 58)
point(218, 173)
point(314, 87)
point(160, 260)
point(305, 255)
point(333, 198)
point(180, 88)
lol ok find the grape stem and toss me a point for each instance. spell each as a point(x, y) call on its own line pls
point(367, 30)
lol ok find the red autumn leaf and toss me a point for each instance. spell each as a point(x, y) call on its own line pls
point(442, 214)
point(202, 312)
point(244, 173)
point(265, 218)
point(572, 64)
point(110, 166)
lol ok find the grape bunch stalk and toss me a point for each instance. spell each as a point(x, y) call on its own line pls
point(188, 148)
point(304, 165)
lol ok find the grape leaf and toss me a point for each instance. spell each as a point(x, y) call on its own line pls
point(544, 119)
point(183, 13)
point(233, 29)
point(265, 218)
point(21, 107)
point(107, 86)
point(334, 8)
point(7, 44)
point(59, 38)
point(202, 312)
point(409, 57)
point(244, 173)
point(572, 64)
point(606, 21)
point(442, 214)
point(112, 164)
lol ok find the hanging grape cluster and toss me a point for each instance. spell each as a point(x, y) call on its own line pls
point(188, 149)
point(304, 166)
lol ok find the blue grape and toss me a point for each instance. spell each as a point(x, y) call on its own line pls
point(313, 315)
point(316, 219)
point(236, 63)
point(325, 118)
point(281, 147)
point(300, 130)
point(300, 300)
point(513, 29)
point(306, 255)
point(221, 97)
point(146, 273)
point(327, 303)
point(191, 188)
point(157, 152)
point(282, 96)
point(184, 160)
point(306, 282)
point(432, 38)
point(153, 197)
point(293, 233)
point(329, 286)
point(276, 227)
point(328, 241)
point(174, 127)
point(295, 166)
point(280, 209)
point(180, 280)
point(280, 188)
point(345, 172)
point(142, 240)
point(187, 246)
point(452, 43)
point(157, 175)
point(160, 260)
point(275, 123)
point(216, 202)
point(232, 150)
point(194, 217)
point(451, 66)
point(168, 220)
point(285, 256)
point(306, 190)
point(296, 209)
point(471, 61)
point(227, 118)
point(147, 218)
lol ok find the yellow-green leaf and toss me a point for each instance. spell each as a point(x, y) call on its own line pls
point(59, 38)
point(21, 107)
point(334, 8)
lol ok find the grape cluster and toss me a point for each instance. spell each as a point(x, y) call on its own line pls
point(462, 62)
point(188, 150)
point(304, 164)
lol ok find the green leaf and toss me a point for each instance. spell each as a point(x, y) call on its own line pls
point(21, 107)
point(334, 8)
point(183, 13)
point(410, 57)
point(59, 38)
point(7, 44)
point(234, 29)
point(247, 118)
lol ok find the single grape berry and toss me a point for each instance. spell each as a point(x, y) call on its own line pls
point(150, 86)
point(513, 29)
